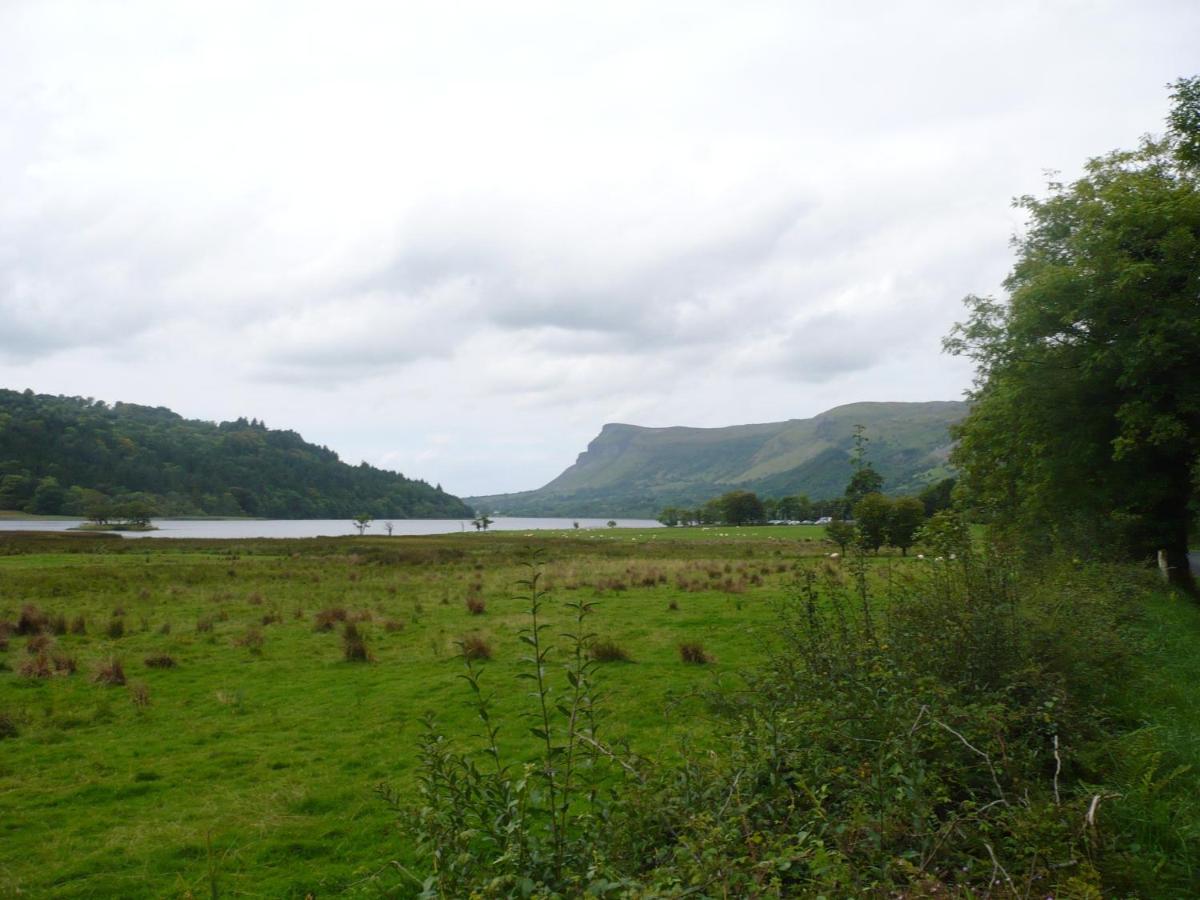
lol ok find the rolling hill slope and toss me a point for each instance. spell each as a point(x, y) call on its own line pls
point(68, 454)
point(628, 470)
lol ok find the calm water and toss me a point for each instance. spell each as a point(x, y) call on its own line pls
point(302, 528)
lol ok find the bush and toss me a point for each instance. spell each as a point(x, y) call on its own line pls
point(476, 605)
point(608, 651)
point(79, 625)
point(139, 694)
point(109, 672)
point(8, 726)
point(116, 628)
point(159, 661)
point(694, 653)
point(935, 744)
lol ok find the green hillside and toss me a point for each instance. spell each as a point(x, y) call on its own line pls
point(632, 471)
point(70, 455)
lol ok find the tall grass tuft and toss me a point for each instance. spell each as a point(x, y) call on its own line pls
point(694, 653)
point(109, 672)
point(603, 651)
point(32, 620)
point(475, 647)
point(354, 645)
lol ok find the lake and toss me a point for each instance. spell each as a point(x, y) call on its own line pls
point(303, 528)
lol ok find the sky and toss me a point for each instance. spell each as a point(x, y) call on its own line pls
point(455, 239)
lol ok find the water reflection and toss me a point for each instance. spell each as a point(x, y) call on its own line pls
point(302, 528)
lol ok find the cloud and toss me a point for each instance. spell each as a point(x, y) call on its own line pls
point(528, 219)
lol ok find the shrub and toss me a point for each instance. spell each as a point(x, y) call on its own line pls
point(475, 646)
point(79, 625)
point(31, 620)
point(116, 628)
point(160, 661)
point(139, 694)
point(693, 652)
point(64, 663)
point(354, 645)
point(58, 624)
point(8, 726)
point(608, 651)
point(109, 672)
point(476, 606)
point(673, 606)
point(326, 618)
point(271, 618)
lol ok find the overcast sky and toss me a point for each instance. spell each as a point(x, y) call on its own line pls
point(455, 239)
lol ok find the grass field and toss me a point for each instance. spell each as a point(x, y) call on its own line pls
point(253, 760)
point(250, 765)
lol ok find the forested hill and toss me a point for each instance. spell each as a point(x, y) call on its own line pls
point(69, 454)
point(628, 470)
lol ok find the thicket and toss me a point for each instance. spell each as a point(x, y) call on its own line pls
point(951, 736)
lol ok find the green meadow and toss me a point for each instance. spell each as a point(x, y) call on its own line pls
point(249, 755)
point(240, 751)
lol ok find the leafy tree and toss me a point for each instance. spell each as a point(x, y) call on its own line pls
point(872, 514)
point(795, 509)
point(1085, 424)
point(135, 510)
point(98, 508)
point(362, 522)
point(937, 496)
point(908, 513)
point(865, 479)
point(668, 517)
point(481, 522)
point(741, 508)
point(612, 523)
point(48, 497)
point(841, 533)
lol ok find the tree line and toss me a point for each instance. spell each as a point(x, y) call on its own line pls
point(83, 457)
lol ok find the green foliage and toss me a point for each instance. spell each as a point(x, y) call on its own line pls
point(907, 516)
point(937, 496)
point(495, 826)
point(841, 533)
point(872, 516)
point(1085, 426)
point(940, 741)
point(76, 456)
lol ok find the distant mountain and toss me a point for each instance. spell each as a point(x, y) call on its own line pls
point(64, 454)
point(633, 471)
